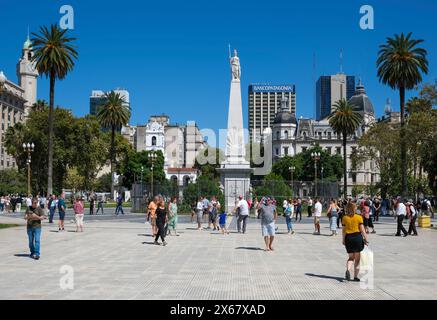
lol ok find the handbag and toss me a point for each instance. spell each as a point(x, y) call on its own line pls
point(366, 259)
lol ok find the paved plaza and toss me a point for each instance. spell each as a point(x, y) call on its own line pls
point(115, 259)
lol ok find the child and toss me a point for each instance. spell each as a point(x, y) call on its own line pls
point(222, 222)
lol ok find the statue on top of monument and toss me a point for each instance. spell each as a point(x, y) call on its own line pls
point(235, 66)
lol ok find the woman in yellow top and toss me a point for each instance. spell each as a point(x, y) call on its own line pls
point(354, 239)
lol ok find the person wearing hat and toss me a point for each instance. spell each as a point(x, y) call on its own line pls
point(413, 216)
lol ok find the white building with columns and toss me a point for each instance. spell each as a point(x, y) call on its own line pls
point(17, 99)
point(291, 136)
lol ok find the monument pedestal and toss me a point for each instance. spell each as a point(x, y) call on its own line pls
point(235, 179)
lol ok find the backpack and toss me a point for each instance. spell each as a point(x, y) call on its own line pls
point(424, 205)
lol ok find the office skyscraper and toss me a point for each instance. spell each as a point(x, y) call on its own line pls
point(330, 89)
point(97, 98)
point(264, 104)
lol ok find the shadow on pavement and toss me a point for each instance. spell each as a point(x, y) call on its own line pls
point(22, 255)
point(322, 276)
point(152, 243)
point(145, 235)
point(316, 235)
point(250, 248)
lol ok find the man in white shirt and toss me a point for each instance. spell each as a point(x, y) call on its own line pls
point(317, 214)
point(401, 212)
point(243, 208)
point(28, 202)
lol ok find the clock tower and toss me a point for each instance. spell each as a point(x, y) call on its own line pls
point(27, 76)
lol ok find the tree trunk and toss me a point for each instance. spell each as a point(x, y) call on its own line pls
point(404, 172)
point(111, 159)
point(344, 166)
point(50, 140)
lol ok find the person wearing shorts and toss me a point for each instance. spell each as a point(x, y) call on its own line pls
point(268, 216)
point(61, 210)
point(317, 214)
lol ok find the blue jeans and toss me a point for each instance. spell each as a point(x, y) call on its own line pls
point(34, 235)
point(118, 209)
point(289, 224)
point(52, 214)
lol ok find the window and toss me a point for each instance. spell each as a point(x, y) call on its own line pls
point(286, 134)
point(338, 150)
point(329, 135)
point(153, 141)
point(304, 149)
point(278, 135)
point(277, 151)
point(354, 178)
point(286, 151)
point(328, 149)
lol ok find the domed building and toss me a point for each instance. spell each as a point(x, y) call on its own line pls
point(284, 132)
point(362, 104)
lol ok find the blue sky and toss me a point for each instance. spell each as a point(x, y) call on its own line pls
point(172, 55)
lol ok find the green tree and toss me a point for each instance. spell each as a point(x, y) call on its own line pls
point(429, 92)
point(416, 104)
point(74, 180)
point(204, 186)
point(208, 161)
point(12, 181)
point(344, 120)
point(103, 183)
point(274, 186)
point(54, 57)
point(400, 65)
point(130, 168)
point(113, 114)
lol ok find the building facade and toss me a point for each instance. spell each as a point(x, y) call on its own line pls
point(17, 99)
point(291, 136)
point(179, 144)
point(264, 103)
point(330, 89)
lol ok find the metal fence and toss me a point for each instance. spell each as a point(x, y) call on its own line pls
point(141, 194)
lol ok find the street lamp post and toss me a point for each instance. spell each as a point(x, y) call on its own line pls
point(323, 185)
point(292, 168)
point(152, 157)
point(316, 157)
point(29, 148)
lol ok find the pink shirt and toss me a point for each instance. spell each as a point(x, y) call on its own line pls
point(78, 207)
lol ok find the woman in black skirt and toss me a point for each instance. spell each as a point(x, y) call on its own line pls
point(354, 239)
point(161, 219)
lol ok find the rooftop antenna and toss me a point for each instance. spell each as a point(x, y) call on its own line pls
point(314, 84)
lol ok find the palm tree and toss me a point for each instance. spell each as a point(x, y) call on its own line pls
point(416, 104)
point(400, 65)
point(344, 120)
point(113, 114)
point(53, 57)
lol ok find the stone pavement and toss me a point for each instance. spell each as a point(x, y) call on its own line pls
point(116, 259)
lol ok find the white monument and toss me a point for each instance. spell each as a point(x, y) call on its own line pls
point(235, 170)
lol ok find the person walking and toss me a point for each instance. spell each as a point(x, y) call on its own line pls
point(365, 212)
point(161, 220)
point(289, 211)
point(2, 204)
point(173, 216)
point(52, 205)
point(100, 202)
point(298, 209)
point(34, 215)
point(92, 203)
point(268, 217)
point(222, 222)
point(354, 239)
point(206, 206)
point(376, 208)
point(151, 214)
point(79, 210)
point(310, 207)
point(199, 213)
point(401, 212)
point(317, 214)
point(214, 205)
point(333, 216)
point(413, 216)
point(243, 213)
point(20, 202)
point(62, 207)
point(119, 207)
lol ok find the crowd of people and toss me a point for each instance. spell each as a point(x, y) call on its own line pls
point(355, 216)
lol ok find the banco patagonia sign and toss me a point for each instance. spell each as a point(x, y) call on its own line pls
point(271, 88)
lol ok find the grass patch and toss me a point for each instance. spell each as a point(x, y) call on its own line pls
point(4, 226)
